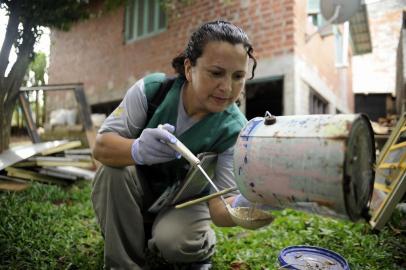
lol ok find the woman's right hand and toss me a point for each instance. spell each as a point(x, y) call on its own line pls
point(152, 146)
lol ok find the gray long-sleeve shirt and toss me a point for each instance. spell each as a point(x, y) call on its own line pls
point(129, 118)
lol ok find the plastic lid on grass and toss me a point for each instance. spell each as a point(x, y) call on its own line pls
point(311, 258)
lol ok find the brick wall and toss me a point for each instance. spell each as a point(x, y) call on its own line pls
point(318, 52)
point(94, 53)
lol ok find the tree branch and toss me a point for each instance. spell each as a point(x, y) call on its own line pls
point(19, 68)
point(10, 37)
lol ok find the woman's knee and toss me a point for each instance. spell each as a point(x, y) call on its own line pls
point(178, 245)
point(170, 245)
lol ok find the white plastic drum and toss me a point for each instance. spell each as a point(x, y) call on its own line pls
point(317, 163)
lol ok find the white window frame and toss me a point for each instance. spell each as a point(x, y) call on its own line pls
point(322, 103)
point(313, 12)
point(341, 42)
point(132, 19)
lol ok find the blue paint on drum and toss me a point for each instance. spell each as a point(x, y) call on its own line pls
point(249, 128)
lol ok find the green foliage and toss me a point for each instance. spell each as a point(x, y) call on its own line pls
point(59, 14)
point(47, 227)
point(38, 66)
point(361, 247)
point(26, 19)
point(35, 14)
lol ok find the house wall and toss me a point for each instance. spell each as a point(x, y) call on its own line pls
point(281, 65)
point(376, 72)
point(315, 67)
point(94, 51)
point(401, 70)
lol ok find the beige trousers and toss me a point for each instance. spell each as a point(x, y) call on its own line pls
point(120, 198)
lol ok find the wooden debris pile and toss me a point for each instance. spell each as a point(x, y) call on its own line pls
point(388, 121)
point(384, 125)
point(56, 162)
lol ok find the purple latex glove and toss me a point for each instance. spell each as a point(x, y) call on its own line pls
point(152, 148)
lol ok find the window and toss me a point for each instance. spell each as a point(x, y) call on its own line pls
point(318, 105)
point(313, 12)
point(314, 17)
point(341, 45)
point(338, 44)
point(144, 18)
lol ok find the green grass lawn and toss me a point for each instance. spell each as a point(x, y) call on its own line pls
point(47, 227)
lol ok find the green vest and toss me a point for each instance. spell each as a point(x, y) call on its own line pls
point(216, 132)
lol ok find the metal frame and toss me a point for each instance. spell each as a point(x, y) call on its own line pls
point(84, 109)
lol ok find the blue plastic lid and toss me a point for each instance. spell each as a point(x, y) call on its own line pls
point(308, 258)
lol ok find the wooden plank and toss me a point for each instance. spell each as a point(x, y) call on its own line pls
point(79, 172)
point(13, 184)
point(19, 153)
point(81, 164)
point(25, 164)
point(30, 175)
point(69, 145)
point(83, 151)
point(63, 175)
point(60, 159)
point(83, 157)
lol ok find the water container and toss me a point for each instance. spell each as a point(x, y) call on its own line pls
point(322, 164)
point(311, 258)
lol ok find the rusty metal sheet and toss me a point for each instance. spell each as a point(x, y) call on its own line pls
point(19, 153)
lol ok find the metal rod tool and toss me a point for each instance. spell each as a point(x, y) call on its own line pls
point(242, 216)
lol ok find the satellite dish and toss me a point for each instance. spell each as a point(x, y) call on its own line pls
point(339, 11)
point(336, 12)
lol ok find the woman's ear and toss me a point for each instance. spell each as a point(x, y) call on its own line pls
point(188, 69)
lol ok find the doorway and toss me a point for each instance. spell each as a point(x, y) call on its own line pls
point(264, 95)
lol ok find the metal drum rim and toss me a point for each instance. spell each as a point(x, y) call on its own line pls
point(364, 212)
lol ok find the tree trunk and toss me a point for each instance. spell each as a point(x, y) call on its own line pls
point(5, 130)
point(10, 85)
point(9, 39)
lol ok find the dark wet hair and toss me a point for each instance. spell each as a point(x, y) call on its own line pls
point(212, 31)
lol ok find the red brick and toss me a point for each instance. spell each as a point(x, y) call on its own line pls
point(94, 52)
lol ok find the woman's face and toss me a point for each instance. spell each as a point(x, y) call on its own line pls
point(216, 80)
